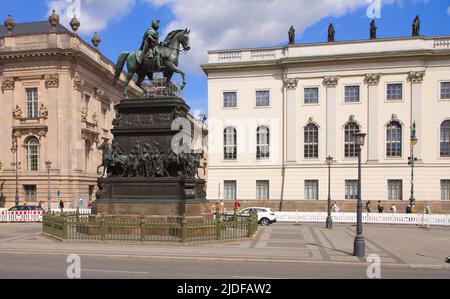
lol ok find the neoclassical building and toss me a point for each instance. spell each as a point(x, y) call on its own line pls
point(57, 103)
point(276, 114)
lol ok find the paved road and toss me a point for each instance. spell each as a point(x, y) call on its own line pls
point(14, 265)
point(279, 251)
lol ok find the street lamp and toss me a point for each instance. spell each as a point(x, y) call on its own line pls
point(48, 164)
point(15, 150)
point(329, 222)
point(359, 246)
point(411, 161)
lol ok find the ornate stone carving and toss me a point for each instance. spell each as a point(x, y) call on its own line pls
point(99, 93)
point(331, 81)
point(78, 83)
point(118, 120)
point(75, 24)
point(351, 119)
point(95, 119)
point(52, 81)
point(372, 79)
point(394, 117)
point(43, 112)
point(17, 113)
point(416, 77)
point(84, 114)
point(8, 84)
point(53, 19)
point(291, 83)
point(10, 24)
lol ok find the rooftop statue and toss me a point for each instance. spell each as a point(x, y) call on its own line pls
point(416, 27)
point(373, 30)
point(154, 57)
point(331, 33)
point(291, 35)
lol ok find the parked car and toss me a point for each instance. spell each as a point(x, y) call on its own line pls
point(265, 215)
point(25, 208)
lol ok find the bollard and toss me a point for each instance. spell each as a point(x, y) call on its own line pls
point(103, 228)
point(142, 228)
point(183, 229)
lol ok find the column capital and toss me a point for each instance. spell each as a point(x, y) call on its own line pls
point(416, 77)
point(291, 83)
point(78, 83)
point(331, 81)
point(373, 79)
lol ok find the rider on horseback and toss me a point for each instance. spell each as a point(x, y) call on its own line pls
point(149, 47)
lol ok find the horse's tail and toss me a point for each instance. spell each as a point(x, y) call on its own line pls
point(119, 66)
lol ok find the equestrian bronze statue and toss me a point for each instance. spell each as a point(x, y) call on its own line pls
point(154, 57)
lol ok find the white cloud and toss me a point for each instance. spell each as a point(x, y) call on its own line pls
point(219, 24)
point(94, 15)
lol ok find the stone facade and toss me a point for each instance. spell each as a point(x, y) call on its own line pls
point(330, 86)
point(56, 90)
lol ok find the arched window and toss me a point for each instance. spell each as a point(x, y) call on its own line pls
point(262, 143)
point(32, 154)
point(311, 141)
point(445, 139)
point(394, 139)
point(230, 143)
point(350, 148)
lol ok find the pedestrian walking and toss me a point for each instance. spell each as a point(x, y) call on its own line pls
point(61, 205)
point(335, 208)
point(380, 207)
point(408, 209)
point(426, 215)
point(236, 206)
point(393, 208)
point(222, 207)
point(369, 207)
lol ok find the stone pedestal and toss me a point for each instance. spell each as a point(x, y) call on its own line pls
point(146, 176)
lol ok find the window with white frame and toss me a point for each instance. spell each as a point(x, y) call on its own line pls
point(230, 99)
point(311, 189)
point(445, 139)
point(394, 92)
point(351, 189)
point(445, 189)
point(352, 94)
point(262, 98)
point(229, 191)
point(311, 140)
point(32, 154)
point(30, 192)
point(445, 90)
point(350, 148)
point(394, 140)
point(262, 142)
point(230, 143)
point(262, 190)
point(311, 95)
point(32, 103)
point(395, 189)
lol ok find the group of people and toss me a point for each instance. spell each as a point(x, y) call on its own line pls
point(410, 209)
point(222, 209)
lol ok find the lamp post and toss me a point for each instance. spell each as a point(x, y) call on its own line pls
point(411, 162)
point(329, 222)
point(359, 246)
point(48, 164)
point(15, 150)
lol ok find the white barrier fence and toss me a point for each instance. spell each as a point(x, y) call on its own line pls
point(34, 216)
point(384, 218)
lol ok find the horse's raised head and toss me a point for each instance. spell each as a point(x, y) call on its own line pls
point(186, 44)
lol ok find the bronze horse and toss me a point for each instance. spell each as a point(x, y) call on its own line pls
point(169, 53)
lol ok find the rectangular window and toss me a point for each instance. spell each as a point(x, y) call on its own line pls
point(352, 94)
point(312, 95)
point(30, 192)
point(445, 189)
point(395, 190)
point(262, 190)
point(445, 90)
point(312, 189)
point(86, 102)
point(32, 102)
point(351, 189)
point(262, 98)
point(229, 191)
point(229, 99)
point(394, 92)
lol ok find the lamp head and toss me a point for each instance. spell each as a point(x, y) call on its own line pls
point(359, 138)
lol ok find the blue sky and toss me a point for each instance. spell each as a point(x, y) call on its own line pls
point(224, 24)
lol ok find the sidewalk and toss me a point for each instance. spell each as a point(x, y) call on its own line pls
point(306, 243)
